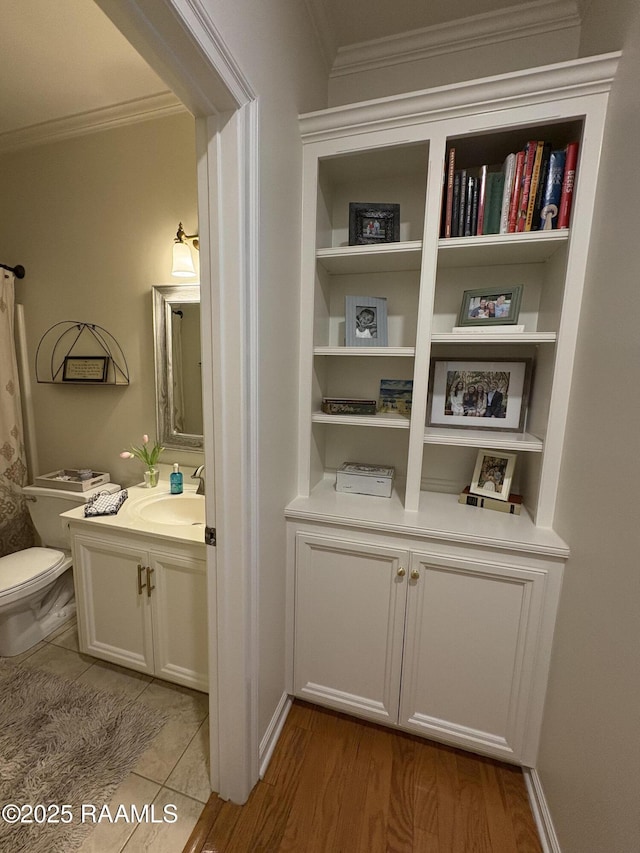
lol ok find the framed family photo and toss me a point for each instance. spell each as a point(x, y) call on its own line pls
point(493, 474)
point(490, 306)
point(373, 223)
point(479, 393)
point(365, 321)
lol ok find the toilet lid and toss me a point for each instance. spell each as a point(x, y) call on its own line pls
point(23, 566)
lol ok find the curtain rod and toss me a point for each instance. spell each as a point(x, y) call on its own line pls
point(18, 270)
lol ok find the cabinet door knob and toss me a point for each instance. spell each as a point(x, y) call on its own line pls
point(141, 585)
point(415, 575)
point(150, 586)
point(401, 572)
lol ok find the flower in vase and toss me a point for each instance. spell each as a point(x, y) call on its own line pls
point(146, 454)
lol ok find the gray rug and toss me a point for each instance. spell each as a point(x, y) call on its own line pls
point(63, 743)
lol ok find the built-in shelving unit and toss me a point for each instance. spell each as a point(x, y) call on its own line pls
point(416, 610)
point(395, 151)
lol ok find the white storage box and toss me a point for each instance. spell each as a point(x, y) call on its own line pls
point(363, 479)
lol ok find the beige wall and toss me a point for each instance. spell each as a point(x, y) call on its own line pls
point(590, 756)
point(274, 45)
point(92, 219)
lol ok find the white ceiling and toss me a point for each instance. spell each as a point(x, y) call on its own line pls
point(63, 58)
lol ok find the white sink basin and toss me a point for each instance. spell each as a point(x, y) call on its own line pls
point(172, 509)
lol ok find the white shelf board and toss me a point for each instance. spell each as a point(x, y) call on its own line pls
point(494, 337)
point(402, 352)
point(382, 419)
point(438, 516)
point(387, 257)
point(533, 247)
point(495, 439)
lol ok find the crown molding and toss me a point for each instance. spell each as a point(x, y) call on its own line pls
point(323, 30)
point(513, 22)
point(93, 121)
point(580, 77)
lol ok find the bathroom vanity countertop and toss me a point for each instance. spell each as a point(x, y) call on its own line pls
point(128, 518)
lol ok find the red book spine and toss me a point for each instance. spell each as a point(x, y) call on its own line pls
point(530, 153)
point(449, 200)
point(515, 192)
point(568, 181)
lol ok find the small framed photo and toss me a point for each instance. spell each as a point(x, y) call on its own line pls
point(493, 474)
point(490, 306)
point(373, 223)
point(395, 396)
point(366, 321)
point(85, 368)
point(479, 394)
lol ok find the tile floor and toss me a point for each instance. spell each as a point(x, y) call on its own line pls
point(174, 769)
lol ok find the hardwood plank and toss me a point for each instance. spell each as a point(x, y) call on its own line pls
point(501, 831)
point(472, 832)
point(447, 782)
point(202, 828)
point(350, 823)
point(425, 808)
point(517, 799)
point(222, 830)
point(377, 801)
point(403, 784)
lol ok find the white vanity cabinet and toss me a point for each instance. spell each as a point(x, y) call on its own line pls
point(437, 639)
point(142, 604)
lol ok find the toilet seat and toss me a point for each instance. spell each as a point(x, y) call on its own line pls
point(27, 570)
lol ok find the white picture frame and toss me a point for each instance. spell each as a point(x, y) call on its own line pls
point(493, 474)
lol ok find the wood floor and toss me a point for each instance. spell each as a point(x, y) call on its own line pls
point(337, 785)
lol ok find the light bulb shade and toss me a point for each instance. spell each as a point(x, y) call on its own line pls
point(182, 260)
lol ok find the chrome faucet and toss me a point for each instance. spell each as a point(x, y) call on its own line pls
point(198, 474)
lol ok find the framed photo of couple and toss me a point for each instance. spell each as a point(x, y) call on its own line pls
point(479, 394)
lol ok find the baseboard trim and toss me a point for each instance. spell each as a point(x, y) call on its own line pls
point(273, 732)
point(541, 813)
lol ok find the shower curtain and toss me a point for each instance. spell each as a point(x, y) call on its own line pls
point(16, 530)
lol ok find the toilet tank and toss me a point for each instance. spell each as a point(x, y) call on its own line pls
point(45, 506)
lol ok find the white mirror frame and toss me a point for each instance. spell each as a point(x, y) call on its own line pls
point(164, 297)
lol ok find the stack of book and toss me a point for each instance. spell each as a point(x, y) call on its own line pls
point(531, 191)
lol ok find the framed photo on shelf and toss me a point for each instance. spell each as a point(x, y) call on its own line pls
point(490, 306)
point(371, 223)
point(91, 368)
point(493, 474)
point(365, 321)
point(479, 394)
point(395, 396)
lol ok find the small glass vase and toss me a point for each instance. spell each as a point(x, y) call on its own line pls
point(151, 478)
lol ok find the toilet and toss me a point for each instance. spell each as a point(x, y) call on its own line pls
point(36, 585)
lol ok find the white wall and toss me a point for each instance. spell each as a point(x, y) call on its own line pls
point(274, 45)
point(92, 219)
point(589, 761)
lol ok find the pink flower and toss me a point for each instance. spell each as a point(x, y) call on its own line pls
point(145, 439)
point(126, 455)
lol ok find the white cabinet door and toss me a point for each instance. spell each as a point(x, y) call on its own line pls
point(114, 610)
point(180, 619)
point(349, 623)
point(470, 651)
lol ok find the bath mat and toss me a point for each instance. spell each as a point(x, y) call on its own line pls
point(62, 743)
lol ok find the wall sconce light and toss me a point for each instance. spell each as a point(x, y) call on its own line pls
point(182, 260)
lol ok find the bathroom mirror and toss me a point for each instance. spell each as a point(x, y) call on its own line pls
point(176, 325)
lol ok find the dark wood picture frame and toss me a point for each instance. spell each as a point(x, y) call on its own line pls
point(373, 223)
point(85, 368)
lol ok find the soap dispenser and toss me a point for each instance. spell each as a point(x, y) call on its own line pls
point(176, 480)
